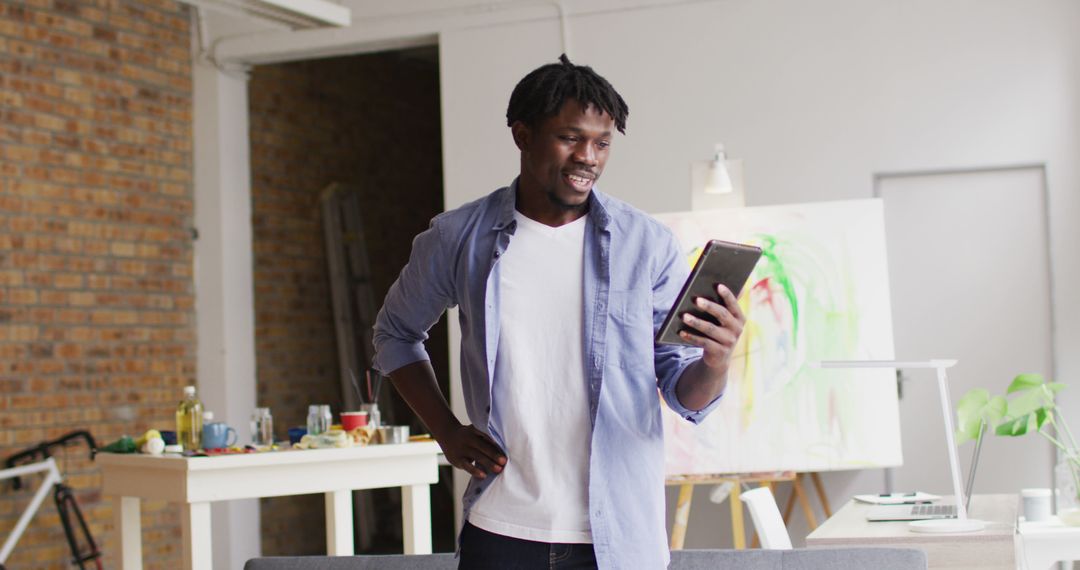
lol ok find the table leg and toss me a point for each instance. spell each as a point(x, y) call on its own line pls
point(128, 523)
point(1020, 548)
point(339, 523)
point(416, 518)
point(195, 528)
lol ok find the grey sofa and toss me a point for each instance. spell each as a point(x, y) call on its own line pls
point(800, 559)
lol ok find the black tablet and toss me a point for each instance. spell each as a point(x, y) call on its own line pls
point(721, 262)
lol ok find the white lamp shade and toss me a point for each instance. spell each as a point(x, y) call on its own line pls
point(716, 183)
point(718, 180)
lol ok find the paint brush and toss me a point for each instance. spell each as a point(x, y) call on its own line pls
point(378, 385)
point(367, 383)
point(356, 386)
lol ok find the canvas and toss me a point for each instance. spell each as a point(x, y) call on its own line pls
point(819, 292)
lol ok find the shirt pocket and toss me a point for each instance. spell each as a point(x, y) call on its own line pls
point(630, 338)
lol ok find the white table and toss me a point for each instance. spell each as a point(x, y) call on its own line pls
point(991, 548)
point(195, 482)
point(1040, 544)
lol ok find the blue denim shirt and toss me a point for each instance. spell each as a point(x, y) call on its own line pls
point(633, 272)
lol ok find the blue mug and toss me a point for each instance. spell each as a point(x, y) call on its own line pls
point(296, 434)
point(216, 435)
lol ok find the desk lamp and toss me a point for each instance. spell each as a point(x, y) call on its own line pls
point(961, 523)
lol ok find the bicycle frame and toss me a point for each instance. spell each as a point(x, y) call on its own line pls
point(39, 459)
point(52, 477)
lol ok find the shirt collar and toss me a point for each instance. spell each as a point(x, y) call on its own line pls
point(598, 213)
point(505, 204)
point(504, 207)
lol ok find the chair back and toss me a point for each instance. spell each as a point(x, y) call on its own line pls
point(767, 520)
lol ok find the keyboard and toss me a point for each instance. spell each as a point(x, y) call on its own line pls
point(933, 511)
point(911, 512)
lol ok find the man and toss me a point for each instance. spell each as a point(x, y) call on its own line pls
point(560, 289)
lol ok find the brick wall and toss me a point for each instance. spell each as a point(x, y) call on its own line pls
point(96, 317)
point(371, 121)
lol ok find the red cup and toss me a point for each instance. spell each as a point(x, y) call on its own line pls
point(353, 420)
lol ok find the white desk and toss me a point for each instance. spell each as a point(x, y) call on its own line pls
point(197, 481)
point(991, 548)
point(1041, 544)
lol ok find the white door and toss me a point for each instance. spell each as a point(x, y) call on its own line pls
point(969, 272)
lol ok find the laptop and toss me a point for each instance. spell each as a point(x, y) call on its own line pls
point(926, 511)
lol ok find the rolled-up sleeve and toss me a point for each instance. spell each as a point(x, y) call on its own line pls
point(415, 302)
point(672, 360)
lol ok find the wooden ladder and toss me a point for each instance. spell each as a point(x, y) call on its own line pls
point(350, 285)
point(354, 316)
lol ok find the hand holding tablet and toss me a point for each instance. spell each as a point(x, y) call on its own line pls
point(722, 263)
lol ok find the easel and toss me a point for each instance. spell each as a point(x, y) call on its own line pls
point(686, 485)
point(798, 491)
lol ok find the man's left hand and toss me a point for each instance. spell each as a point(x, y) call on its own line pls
point(718, 340)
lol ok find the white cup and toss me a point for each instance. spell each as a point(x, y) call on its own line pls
point(1036, 504)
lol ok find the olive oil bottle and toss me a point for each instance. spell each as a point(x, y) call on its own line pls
point(189, 420)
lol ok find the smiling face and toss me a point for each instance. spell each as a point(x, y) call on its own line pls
point(561, 158)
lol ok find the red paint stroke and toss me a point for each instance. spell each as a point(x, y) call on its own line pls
point(764, 288)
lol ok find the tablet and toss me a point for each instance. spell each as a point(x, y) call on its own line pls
point(721, 262)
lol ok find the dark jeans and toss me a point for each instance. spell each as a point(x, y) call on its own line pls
point(483, 550)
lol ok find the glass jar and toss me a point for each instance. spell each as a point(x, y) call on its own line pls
point(314, 422)
point(1067, 476)
point(326, 419)
point(262, 427)
point(374, 418)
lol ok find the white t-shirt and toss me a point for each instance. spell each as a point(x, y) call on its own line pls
point(539, 396)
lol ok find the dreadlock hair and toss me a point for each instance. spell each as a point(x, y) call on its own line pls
point(542, 92)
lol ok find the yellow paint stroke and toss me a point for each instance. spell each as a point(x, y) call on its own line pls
point(694, 255)
point(751, 331)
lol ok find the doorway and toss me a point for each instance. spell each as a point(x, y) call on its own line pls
point(372, 122)
point(970, 277)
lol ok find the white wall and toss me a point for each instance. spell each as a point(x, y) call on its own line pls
point(815, 98)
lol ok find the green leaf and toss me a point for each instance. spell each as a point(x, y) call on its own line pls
point(1014, 427)
point(1041, 415)
point(975, 409)
point(969, 418)
point(1030, 407)
point(1025, 382)
point(995, 410)
point(1027, 402)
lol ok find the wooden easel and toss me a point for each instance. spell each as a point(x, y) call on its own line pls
point(799, 492)
point(686, 485)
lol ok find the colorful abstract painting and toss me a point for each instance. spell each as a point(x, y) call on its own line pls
point(819, 292)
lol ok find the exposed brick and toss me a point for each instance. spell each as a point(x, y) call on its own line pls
point(19, 296)
point(11, 278)
point(92, 134)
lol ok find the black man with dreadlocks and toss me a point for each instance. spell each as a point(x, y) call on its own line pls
point(561, 289)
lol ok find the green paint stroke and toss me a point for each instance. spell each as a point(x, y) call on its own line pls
point(779, 272)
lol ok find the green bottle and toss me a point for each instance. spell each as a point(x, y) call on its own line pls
point(189, 421)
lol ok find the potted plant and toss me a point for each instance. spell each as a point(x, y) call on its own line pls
point(1028, 406)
